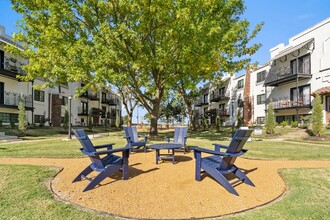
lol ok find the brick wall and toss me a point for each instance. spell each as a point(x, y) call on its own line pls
point(56, 110)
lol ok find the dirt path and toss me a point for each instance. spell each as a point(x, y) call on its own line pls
point(166, 190)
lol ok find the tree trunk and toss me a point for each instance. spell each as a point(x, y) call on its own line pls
point(129, 118)
point(153, 126)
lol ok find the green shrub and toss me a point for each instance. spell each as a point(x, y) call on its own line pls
point(317, 116)
point(305, 121)
point(22, 122)
point(12, 124)
point(0, 123)
point(294, 124)
point(284, 123)
point(204, 123)
point(66, 120)
point(270, 120)
point(90, 123)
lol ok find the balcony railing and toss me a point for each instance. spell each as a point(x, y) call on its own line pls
point(277, 76)
point(13, 98)
point(303, 102)
point(215, 97)
point(13, 65)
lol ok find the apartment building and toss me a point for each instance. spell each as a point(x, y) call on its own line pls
point(288, 81)
point(48, 106)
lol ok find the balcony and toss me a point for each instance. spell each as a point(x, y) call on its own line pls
point(216, 97)
point(278, 76)
point(92, 97)
point(224, 112)
point(198, 103)
point(303, 102)
point(11, 67)
point(11, 100)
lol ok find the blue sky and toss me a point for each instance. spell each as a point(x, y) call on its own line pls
point(283, 19)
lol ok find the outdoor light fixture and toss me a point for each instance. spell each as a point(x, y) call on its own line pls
point(232, 116)
point(69, 133)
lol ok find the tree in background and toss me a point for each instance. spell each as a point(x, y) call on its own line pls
point(317, 116)
point(90, 123)
point(128, 100)
point(239, 119)
point(147, 45)
point(218, 124)
point(270, 120)
point(22, 122)
point(66, 120)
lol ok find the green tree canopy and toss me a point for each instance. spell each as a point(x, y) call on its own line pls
point(146, 45)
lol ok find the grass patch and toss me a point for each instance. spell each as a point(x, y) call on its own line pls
point(286, 150)
point(25, 196)
point(307, 198)
point(257, 149)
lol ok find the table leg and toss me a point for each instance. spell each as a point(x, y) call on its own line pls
point(173, 156)
point(157, 155)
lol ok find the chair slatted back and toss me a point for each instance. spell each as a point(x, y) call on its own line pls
point(179, 134)
point(236, 145)
point(132, 133)
point(88, 147)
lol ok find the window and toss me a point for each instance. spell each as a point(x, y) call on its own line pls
point(64, 100)
point(301, 65)
point(260, 120)
point(206, 98)
point(261, 76)
point(222, 91)
point(39, 96)
point(84, 107)
point(8, 117)
point(104, 109)
point(39, 119)
point(2, 59)
point(302, 97)
point(104, 97)
point(261, 99)
point(240, 84)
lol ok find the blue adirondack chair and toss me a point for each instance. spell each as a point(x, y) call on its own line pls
point(132, 138)
point(106, 166)
point(222, 163)
point(180, 137)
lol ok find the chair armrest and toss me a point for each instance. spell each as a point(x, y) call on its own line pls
point(218, 146)
point(144, 137)
point(109, 146)
point(112, 151)
point(197, 149)
point(168, 138)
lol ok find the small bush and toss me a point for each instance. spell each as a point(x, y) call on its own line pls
point(12, 124)
point(0, 123)
point(204, 123)
point(294, 124)
point(284, 123)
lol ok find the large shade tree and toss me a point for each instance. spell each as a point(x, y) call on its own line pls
point(149, 45)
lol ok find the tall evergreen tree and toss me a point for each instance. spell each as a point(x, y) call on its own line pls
point(317, 116)
point(22, 122)
point(66, 120)
point(270, 120)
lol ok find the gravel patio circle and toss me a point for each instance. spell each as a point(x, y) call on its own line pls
point(166, 190)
